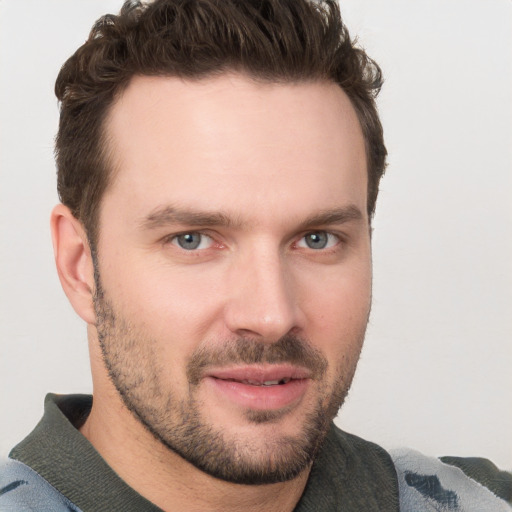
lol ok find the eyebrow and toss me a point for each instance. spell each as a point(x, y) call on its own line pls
point(169, 215)
point(332, 216)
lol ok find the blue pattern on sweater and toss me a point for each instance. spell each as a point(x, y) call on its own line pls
point(23, 490)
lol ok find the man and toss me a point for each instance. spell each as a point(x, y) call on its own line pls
point(218, 167)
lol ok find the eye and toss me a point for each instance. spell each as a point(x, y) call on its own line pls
point(192, 241)
point(318, 240)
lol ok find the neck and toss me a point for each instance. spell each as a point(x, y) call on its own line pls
point(164, 478)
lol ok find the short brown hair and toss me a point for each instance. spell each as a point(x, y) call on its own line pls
point(272, 40)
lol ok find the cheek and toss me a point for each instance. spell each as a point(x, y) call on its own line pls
point(336, 326)
point(337, 310)
point(168, 303)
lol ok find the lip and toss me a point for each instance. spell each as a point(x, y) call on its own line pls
point(260, 373)
point(232, 385)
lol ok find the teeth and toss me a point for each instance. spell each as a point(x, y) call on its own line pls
point(267, 382)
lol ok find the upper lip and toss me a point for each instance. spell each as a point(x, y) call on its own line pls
point(260, 373)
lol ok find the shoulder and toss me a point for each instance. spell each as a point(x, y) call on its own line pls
point(22, 489)
point(450, 483)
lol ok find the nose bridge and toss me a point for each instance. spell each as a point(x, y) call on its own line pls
point(261, 299)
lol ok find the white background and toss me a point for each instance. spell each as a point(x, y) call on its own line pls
point(435, 374)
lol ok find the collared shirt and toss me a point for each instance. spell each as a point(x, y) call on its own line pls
point(57, 463)
point(349, 474)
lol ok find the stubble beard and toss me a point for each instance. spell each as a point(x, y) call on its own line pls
point(135, 369)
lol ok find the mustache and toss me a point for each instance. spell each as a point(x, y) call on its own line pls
point(289, 349)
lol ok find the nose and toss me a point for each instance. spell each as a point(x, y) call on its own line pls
point(262, 302)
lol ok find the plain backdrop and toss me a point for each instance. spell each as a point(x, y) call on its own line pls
point(435, 373)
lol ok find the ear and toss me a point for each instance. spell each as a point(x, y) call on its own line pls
point(74, 261)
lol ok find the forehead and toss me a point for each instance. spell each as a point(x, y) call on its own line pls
point(234, 142)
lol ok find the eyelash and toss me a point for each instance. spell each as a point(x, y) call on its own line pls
point(331, 237)
point(172, 239)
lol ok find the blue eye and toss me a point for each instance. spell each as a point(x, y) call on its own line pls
point(192, 241)
point(318, 240)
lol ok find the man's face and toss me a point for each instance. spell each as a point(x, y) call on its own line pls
point(234, 268)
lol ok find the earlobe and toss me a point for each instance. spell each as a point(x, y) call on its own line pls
point(74, 261)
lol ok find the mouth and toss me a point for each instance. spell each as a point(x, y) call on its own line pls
point(259, 387)
point(280, 382)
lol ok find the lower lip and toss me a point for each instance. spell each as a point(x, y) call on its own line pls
point(260, 398)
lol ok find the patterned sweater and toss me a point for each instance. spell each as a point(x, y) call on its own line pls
point(56, 469)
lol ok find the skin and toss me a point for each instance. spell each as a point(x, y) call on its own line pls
point(272, 159)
